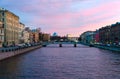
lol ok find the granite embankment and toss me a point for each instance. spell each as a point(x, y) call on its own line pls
point(105, 47)
point(11, 53)
point(111, 48)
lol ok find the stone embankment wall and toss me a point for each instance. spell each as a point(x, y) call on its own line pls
point(8, 54)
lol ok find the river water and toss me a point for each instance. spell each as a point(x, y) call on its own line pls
point(67, 62)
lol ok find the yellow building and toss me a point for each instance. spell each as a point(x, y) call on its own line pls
point(46, 37)
point(36, 37)
point(11, 24)
point(1, 34)
point(21, 30)
point(26, 36)
point(35, 33)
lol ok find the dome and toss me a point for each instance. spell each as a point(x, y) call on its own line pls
point(55, 34)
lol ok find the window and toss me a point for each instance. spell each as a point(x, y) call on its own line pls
point(3, 25)
point(1, 30)
point(0, 19)
point(2, 13)
point(0, 37)
point(3, 19)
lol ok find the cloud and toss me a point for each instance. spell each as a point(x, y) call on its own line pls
point(65, 16)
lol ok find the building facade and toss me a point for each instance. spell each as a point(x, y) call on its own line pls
point(10, 26)
point(46, 37)
point(36, 33)
point(96, 37)
point(21, 29)
point(87, 37)
point(70, 37)
point(105, 35)
point(1, 34)
point(26, 36)
point(110, 34)
point(115, 33)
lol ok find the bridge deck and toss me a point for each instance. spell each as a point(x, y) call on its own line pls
point(66, 46)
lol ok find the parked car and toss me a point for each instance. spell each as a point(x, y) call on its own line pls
point(21, 45)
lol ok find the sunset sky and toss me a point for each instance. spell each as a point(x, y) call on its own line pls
point(65, 16)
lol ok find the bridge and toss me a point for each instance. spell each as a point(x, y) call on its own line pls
point(62, 44)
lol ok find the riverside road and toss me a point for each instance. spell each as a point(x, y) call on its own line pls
point(66, 62)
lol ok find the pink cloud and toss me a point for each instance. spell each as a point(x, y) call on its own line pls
point(57, 16)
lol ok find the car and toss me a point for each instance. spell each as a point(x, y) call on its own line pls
point(21, 45)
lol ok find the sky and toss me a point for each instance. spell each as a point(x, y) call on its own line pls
point(65, 16)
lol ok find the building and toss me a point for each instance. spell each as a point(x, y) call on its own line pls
point(87, 37)
point(35, 33)
point(70, 37)
point(31, 37)
point(27, 32)
point(10, 27)
point(34, 36)
point(1, 34)
point(40, 37)
point(96, 37)
point(115, 33)
point(55, 34)
point(21, 29)
point(110, 34)
point(46, 37)
point(105, 35)
point(26, 36)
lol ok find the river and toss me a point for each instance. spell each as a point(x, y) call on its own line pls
point(67, 62)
